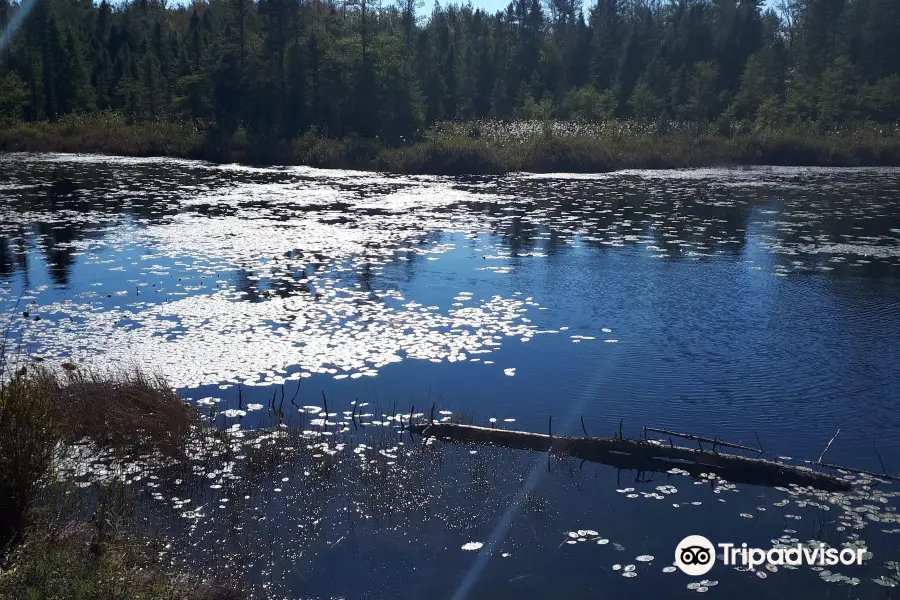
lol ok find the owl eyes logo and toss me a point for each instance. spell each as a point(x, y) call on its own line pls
point(695, 555)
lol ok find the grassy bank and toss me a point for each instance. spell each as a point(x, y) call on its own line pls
point(74, 445)
point(48, 549)
point(281, 501)
point(79, 560)
point(481, 148)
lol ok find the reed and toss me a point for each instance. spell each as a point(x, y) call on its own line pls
point(29, 433)
point(125, 409)
point(42, 409)
point(484, 147)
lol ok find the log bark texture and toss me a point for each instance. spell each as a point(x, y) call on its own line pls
point(641, 455)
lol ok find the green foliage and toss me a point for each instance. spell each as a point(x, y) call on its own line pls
point(279, 70)
point(191, 102)
point(882, 100)
point(537, 111)
point(702, 97)
point(399, 102)
point(757, 87)
point(13, 98)
point(587, 104)
point(643, 103)
point(837, 92)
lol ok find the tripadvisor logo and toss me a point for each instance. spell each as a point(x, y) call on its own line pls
point(695, 555)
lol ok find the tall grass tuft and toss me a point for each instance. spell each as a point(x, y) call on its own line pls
point(29, 432)
point(128, 410)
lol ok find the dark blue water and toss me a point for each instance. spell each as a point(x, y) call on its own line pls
point(743, 304)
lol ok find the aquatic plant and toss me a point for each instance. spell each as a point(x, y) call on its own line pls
point(328, 474)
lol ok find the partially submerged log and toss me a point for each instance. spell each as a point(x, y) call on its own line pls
point(641, 455)
point(715, 441)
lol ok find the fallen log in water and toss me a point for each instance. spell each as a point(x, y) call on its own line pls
point(641, 455)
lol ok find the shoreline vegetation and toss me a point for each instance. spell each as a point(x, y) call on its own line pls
point(74, 442)
point(58, 542)
point(479, 148)
point(537, 86)
point(75, 525)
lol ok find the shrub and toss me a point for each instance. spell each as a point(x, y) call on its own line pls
point(587, 104)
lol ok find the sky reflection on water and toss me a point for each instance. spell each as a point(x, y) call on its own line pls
point(733, 303)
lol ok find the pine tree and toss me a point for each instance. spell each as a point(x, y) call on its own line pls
point(605, 43)
point(13, 98)
point(279, 68)
point(5, 36)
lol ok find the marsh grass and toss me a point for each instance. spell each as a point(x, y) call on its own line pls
point(573, 147)
point(43, 409)
point(129, 410)
point(29, 432)
point(61, 541)
point(106, 133)
point(485, 147)
point(71, 559)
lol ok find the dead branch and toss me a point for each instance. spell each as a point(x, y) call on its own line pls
point(819, 462)
point(714, 442)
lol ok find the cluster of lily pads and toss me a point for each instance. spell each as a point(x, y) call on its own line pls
point(257, 277)
point(323, 450)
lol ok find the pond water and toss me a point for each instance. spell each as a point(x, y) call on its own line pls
point(759, 306)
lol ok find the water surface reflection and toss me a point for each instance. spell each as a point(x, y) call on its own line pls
point(732, 303)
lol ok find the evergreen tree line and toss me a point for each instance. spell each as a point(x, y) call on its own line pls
point(281, 68)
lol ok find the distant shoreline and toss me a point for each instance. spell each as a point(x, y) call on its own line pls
point(462, 149)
